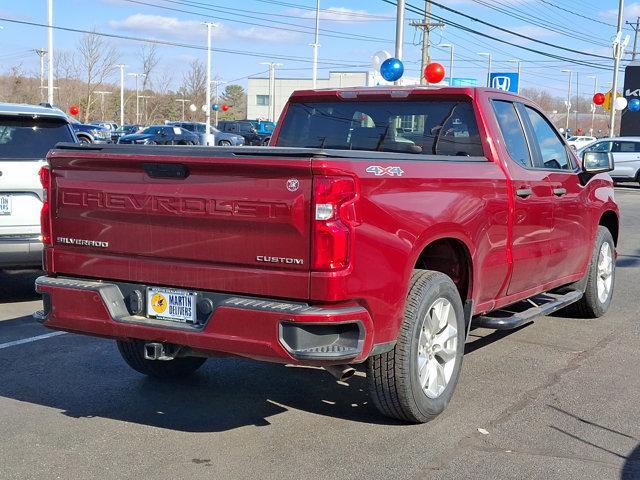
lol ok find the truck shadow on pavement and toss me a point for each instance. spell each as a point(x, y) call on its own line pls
point(18, 285)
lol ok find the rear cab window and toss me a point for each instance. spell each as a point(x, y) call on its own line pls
point(512, 132)
point(427, 127)
point(26, 138)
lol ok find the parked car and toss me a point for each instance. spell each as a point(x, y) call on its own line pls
point(27, 133)
point(161, 135)
point(246, 129)
point(263, 127)
point(626, 156)
point(577, 142)
point(87, 133)
point(124, 130)
point(379, 228)
point(220, 138)
point(109, 125)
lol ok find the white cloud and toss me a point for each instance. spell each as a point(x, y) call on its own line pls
point(631, 11)
point(172, 28)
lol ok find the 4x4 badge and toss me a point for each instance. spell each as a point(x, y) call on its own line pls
point(380, 171)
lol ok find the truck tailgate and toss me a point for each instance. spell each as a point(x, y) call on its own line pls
point(213, 221)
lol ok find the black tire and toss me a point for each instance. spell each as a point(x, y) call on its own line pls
point(84, 140)
point(590, 305)
point(133, 353)
point(393, 377)
point(224, 143)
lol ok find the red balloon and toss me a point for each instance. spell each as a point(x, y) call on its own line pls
point(74, 110)
point(434, 73)
point(579, 131)
point(225, 107)
point(599, 98)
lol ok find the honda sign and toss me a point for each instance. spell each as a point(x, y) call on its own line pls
point(506, 81)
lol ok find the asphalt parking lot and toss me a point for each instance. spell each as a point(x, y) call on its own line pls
point(558, 398)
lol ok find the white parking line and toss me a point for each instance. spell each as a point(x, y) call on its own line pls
point(30, 339)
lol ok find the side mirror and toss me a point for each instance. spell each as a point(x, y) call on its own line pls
point(597, 162)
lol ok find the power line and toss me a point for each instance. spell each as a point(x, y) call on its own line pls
point(551, 4)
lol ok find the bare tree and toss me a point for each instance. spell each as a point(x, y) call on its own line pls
point(97, 61)
point(193, 84)
point(149, 59)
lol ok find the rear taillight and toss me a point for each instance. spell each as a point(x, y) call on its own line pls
point(334, 214)
point(45, 217)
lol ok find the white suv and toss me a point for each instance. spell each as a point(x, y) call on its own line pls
point(27, 133)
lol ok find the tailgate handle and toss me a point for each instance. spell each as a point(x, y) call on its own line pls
point(166, 170)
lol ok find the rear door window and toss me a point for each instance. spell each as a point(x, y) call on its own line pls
point(27, 138)
point(434, 127)
point(512, 132)
point(626, 147)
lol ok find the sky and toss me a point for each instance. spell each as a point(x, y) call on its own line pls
point(249, 32)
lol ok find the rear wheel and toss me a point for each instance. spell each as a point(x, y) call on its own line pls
point(133, 353)
point(224, 143)
point(415, 381)
point(83, 139)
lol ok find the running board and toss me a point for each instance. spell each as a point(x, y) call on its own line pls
point(518, 314)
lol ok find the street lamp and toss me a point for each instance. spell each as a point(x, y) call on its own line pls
point(450, 47)
point(489, 56)
point(568, 101)
point(137, 75)
point(593, 107)
point(519, 62)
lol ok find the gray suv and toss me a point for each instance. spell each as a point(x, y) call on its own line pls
point(222, 139)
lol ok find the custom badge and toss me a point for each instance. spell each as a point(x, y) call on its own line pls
point(159, 303)
point(293, 184)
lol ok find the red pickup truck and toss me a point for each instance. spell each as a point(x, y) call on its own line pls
point(380, 227)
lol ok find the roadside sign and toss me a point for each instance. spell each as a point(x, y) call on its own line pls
point(506, 81)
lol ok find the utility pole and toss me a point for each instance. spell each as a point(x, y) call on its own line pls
point(568, 102)
point(121, 66)
point(636, 28)
point(182, 101)
point(207, 134)
point(272, 89)
point(399, 31)
point(137, 75)
point(593, 107)
point(426, 27)
point(618, 49)
point(577, 100)
point(41, 53)
point(102, 93)
point(490, 57)
point(50, 51)
point(316, 45)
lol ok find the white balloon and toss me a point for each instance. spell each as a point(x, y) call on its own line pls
point(379, 58)
point(193, 108)
point(561, 130)
point(204, 108)
point(621, 103)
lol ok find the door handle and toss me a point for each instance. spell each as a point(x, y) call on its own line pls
point(558, 192)
point(524, 192)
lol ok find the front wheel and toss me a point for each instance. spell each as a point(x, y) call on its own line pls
point(224, 143)
point(600, 278)
point(133, 353)
point(415, 381)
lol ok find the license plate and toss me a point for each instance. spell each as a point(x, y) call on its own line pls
point(5, 204)
point(170, 304)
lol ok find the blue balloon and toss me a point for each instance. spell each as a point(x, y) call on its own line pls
point(634, 105)
point(215, 107)
point(391, 69)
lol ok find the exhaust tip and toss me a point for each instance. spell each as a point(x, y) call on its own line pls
point(341, 372)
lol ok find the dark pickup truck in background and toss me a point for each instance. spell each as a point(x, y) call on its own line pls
point(384, 224)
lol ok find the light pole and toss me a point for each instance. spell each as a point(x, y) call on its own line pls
point(144, 106)
point(450, 47)
point(102, 93)
point(316, 45)
point(182, 101)
point(216, 83)
point(519, 62)
point(272, 88)
point(399, 31)
point(489, 56)
point(618, 49)
point(41, 53)
point(207, 135)
point(593, 107)
point(137, 75)
point(568, 102)
point(121, 66)
point(50, 50)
